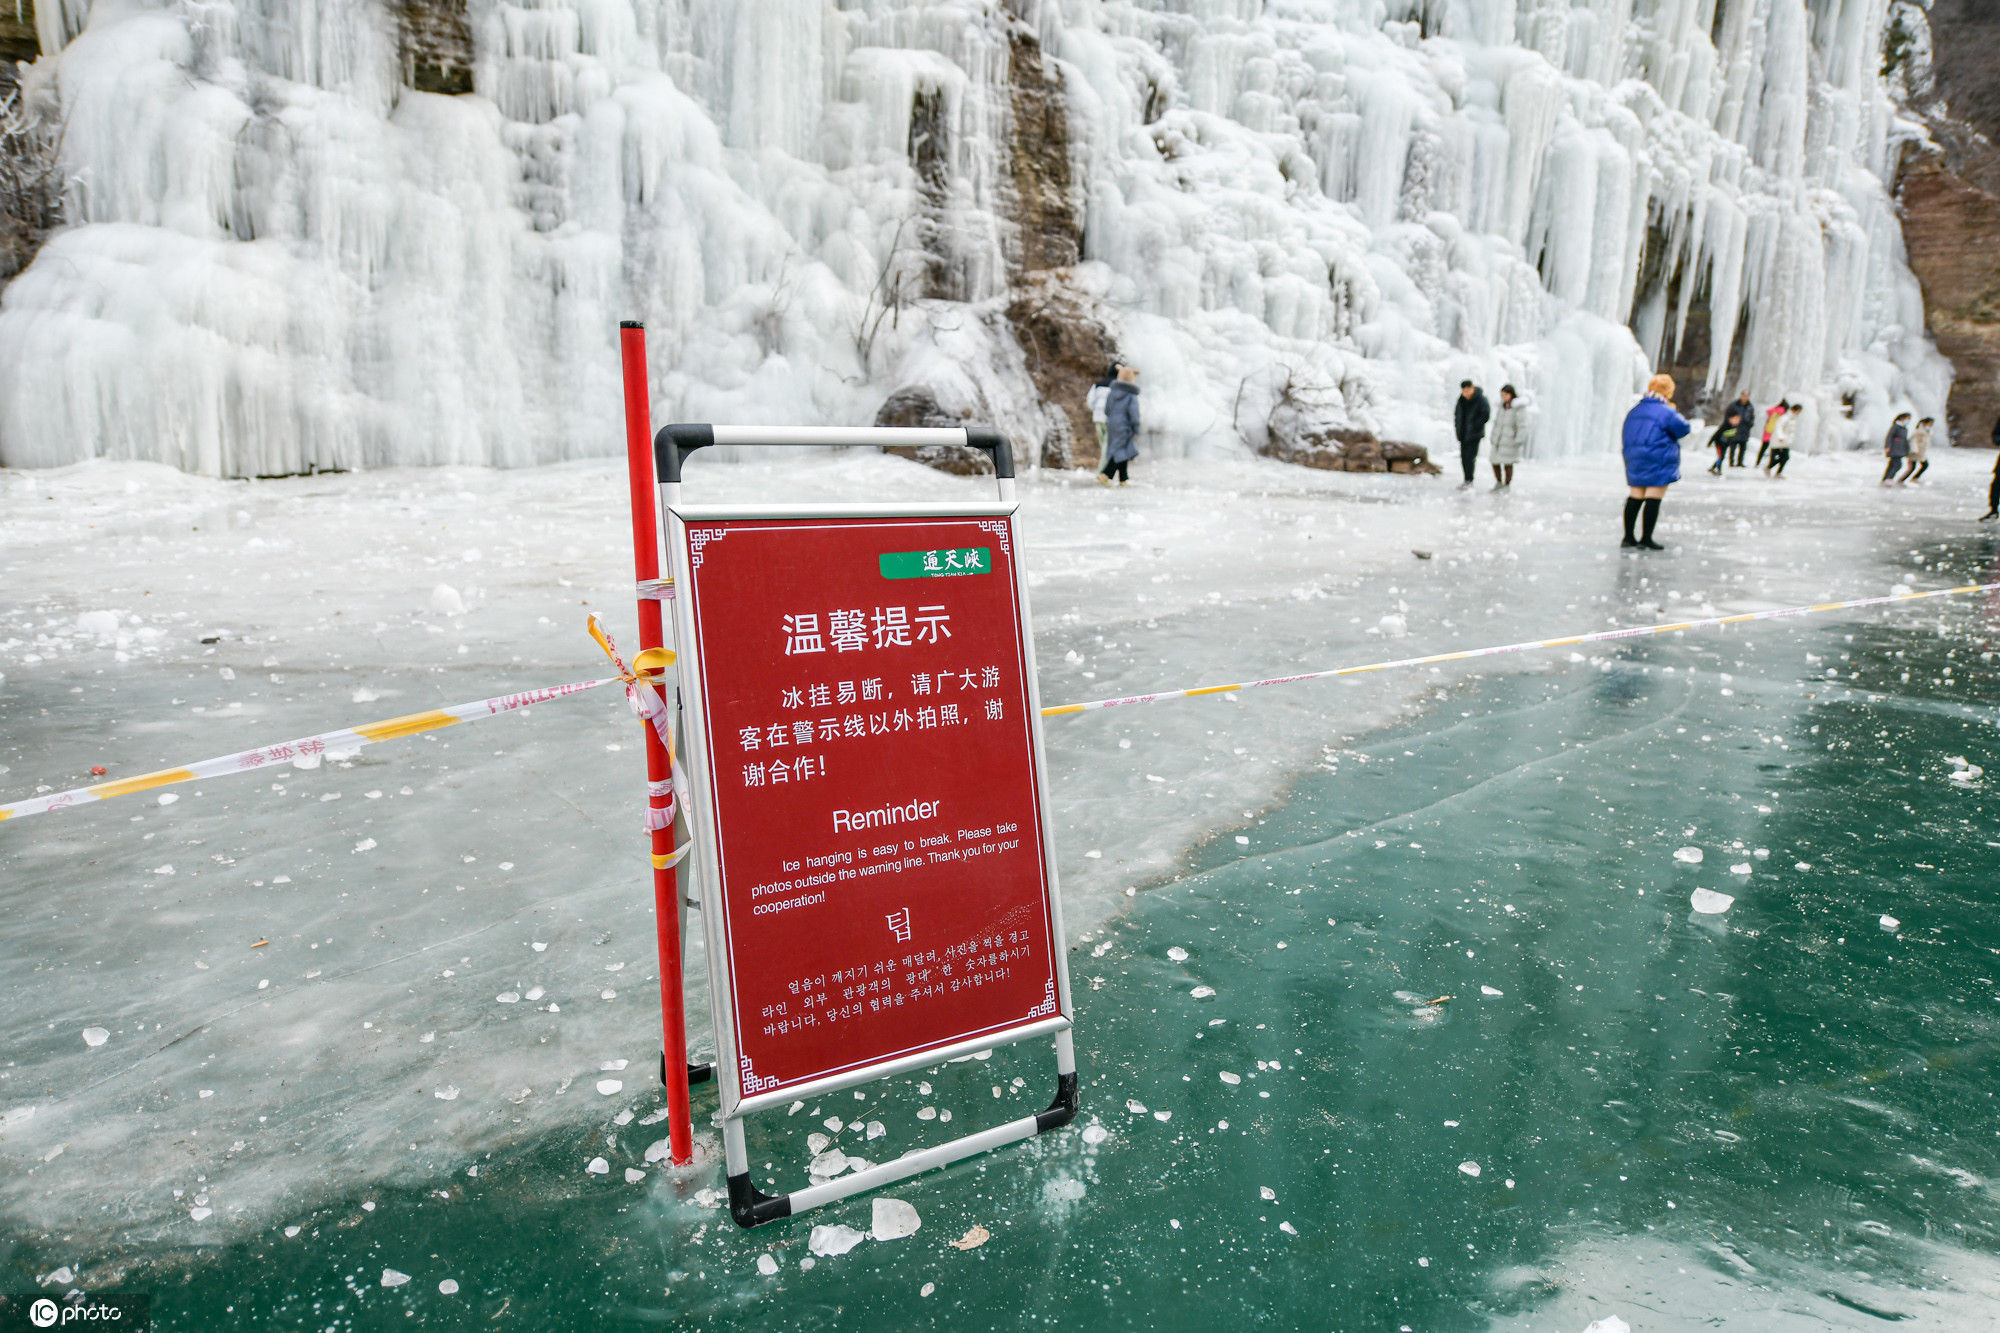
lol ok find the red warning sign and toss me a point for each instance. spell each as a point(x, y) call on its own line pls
point(866, 741)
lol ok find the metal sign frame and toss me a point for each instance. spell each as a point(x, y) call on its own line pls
point(749, 1205)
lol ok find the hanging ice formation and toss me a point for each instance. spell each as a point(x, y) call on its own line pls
point(281, 255)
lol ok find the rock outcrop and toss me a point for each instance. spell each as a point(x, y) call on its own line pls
point(436, 45)
point(1949, 192)
point(1296, 436)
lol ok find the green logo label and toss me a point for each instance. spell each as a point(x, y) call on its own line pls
point(936, 564)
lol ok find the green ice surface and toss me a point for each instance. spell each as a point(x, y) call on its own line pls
point(1783, 1117)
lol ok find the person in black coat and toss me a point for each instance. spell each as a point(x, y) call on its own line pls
point(1732, 437)
point(1993, 490)
point(1469, 417)
point(1748, 412)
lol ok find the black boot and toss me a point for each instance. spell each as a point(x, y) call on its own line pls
point(1646, 541)
point(1632, 504)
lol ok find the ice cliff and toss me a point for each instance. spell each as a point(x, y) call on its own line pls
point(368, 232)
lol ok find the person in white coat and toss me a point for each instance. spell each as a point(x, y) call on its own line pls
point(1096, 398)
point(1509, 437)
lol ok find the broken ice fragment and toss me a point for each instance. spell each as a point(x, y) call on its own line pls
point(1890, 923)
point(391, 1278)
point(448, 1287)
point(509, 997)
point(1691, 855)
point(1178, 954)
point(610, 1086)
point(828, 1164)
point(1740, 868)
point(447, 1093)
point(598, 1167)
point(1136, 1107)
point(198, 1214)
point(1202, 992)
point(633, 1175)
point(767, 1265)
point(1231, 1079)
point(95, 1036)
point(1709, 902)
point(1288, 1228)
point(827, 1241)
point(1267, 1194)
point(894, 1219)
point(876, 1129)
point(291, 1232)
point(1095, 1134)
point(1611, 1323)
point(1469, 1168)
point(1488, 990)
point(609, 1066)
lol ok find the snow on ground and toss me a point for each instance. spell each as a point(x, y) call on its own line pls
point(226, 1006)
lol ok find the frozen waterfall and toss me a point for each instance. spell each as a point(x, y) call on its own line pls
point(280, 255)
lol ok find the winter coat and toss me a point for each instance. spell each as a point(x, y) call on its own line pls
point(1731, 433)
point(1783, 430)
point(1121, 414)
point(1772, 418)
point(1749, 411)
point(1920, 442)
point(1653, 433)
point(1898, 443)
point(1469, 418)
point(1513, 428)
point(1094, 398)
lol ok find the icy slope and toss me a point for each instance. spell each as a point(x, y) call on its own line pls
point(283, 257)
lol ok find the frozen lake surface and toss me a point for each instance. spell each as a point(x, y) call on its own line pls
point(258, 1049)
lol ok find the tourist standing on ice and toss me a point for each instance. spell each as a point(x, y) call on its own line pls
point(1920, 452)
point(1094, 399)
point(1513, 425)
point(1653, 432)
point(1784, 425)
point(1121, 426)
point(1745, 409)
point(1771, 419)
point(1896, 445)
point(1731, 438)
point(1993, 488)
point(1469, 417)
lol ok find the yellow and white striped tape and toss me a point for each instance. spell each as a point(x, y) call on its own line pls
point(1600, 636)
point(647, 702)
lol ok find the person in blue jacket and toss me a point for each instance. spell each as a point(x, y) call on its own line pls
point(1653, 432)
point(1121, 431)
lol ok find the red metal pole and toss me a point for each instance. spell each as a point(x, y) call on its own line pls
point(659, 764)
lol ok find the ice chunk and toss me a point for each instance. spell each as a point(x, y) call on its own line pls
point(1095, 1134)
point(447, 1093)
point(1202, 992)
point(201, 1214)
point(1178, 954)
point(767, 1265)
point(1470, 1169)
point(1710, 903)
point(876, 1129)
point(1691, 855)
point(1488, 990)
point(1890, 923)
point(598, 1167)
point(1136, 1107)
point(1288, 1228)
point(167, 798)
point(448, 1287)
point(445, 601)
point(1231, 1079)
point(1267, 1194)
point(1611, 1323)
point(828, 1164)
point(95, 1036)
point(927, 1289)
point(610, 1086)
point(1393, 626)
point(509, 997)
point(1740, 868)
point(827, 1241)
point(102, 624)
point(391, 1278)
point(633, 1175)
point(894, 1219)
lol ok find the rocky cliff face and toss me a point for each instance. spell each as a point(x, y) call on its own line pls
point(1949, 191)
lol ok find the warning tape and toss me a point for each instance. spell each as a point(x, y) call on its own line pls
point(1600, 636)
point(647, 703)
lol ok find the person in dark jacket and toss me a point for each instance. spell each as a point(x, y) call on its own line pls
point(1993, 490)
point(1731, 438)
point(1469, 417)
point(1897, 446)
point(1744, 408)
point(1653, 432)
point(1121, 426)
